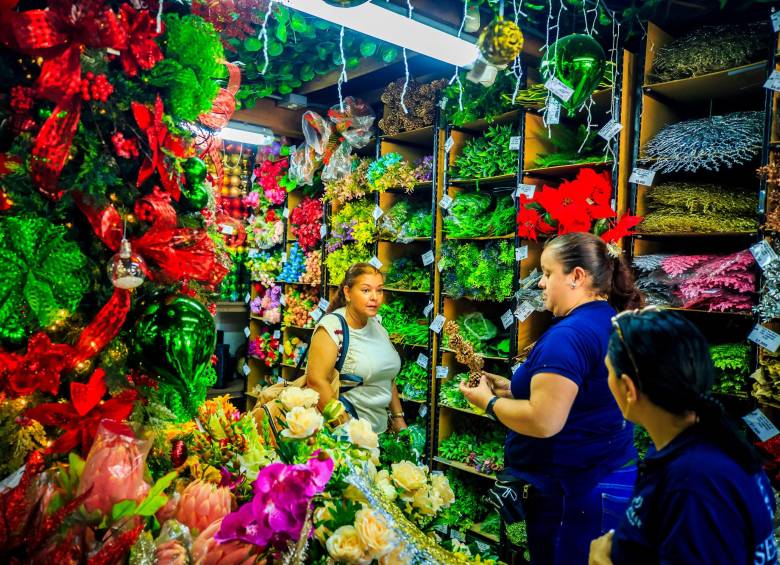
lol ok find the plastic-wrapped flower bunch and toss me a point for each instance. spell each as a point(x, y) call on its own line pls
point(312, 273)
point(767, 379)
point(265, 267)
point(295, 266)
point(266, 304)
point(391, 171)
point(271, 173)
point(351, 186)
point(293, 350)
point(266, 229)
point(265, 347)
point(300, 301)
point(305, 221)
point(717, 283)
point(405, 221)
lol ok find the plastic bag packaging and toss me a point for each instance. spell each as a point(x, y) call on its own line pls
point(475, 328)
point(339, 163)
point(354, 122)
point(114, 469)
point(173, 544)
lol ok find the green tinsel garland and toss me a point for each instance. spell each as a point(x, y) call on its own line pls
point(732, 361)
point(42, 275)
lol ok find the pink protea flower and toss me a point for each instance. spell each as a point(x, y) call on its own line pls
point(208, 551)
point(202, 503)
point(171, 552)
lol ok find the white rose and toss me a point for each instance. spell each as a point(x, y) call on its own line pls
point(302, 422)
point(361, 434)
point(408, 477)
point(294, 396)
point(344, 545)
point(441, 486)
point(426, 501)
point(385, 485)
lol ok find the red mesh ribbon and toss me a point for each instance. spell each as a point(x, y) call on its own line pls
point(59, 34)
point(178, 253)
point(18, 503)
point(225, 103)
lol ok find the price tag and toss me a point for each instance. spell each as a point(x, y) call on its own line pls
point(507, 319)
point(455, 534)
point(515, 367)
point(443, 103)
point(441, 528)
point(560, 90)
point(524, 310)
point(776, 21)
point(112, 51)
point(442, 372)
point(482, 546)
point(251, 219)
point(323, 230)
point(521, 253)
point(763, 253)
point(773, 82)
point(12, 480)
point(323, 304)
point(377, 213)
point(316, 315)
point(438, 323)
point(375, 262)
point(445, 202)
point(285, 212)
point(280, 349)
point(284, 257)
point(527, 190)
point(422, 360)
point(761, 425)
point(440, 266)
point(427, 310)
point(427, 258)
point(248, 297)
point(246, 331)
point(246, 370)
point(282, 300)
point(423, 411)
point(277, 334)
point(610, 129)
point(765, 337)
point(553, 115)
point(514, 143)
point(226, 229)
point(448, 144)
point(642, 176)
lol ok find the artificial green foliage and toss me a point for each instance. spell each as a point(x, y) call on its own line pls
point(483, 450)
point(405, 220)
point(408, 274)
point(480, 215)
point(354, 222)
point(482, 272)
point(478, 102)
point(406, 445)
point(492, 524)
point(404, 322)
point(187, 75)
point(732, 363)
point(450, 394)
point(468, 508)
point(642, 441)
point(697, 207)
point(412, 381)
point(487, 156)
point(567, 143)
point(343, 258)
point(518, 535)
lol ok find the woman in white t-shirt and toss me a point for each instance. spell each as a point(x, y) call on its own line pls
point(370, 354)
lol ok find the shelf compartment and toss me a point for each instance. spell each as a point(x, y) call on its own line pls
point(509, 179)
point(231, 307)
point(463, 467)
point(466, 411)
point(670, 235)
point(483, 238)
point(420, 136)
point(728, 83)
point(564, 170)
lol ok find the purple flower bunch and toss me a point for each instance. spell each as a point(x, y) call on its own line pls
point(341, 235)
point(277, 512)
point(423, 169)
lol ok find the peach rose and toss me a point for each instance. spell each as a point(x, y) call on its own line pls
point(302, 423)
point(374, 535)
point(293, 396)
point(344, 545)
point(408, 477)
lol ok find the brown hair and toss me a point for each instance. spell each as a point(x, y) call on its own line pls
point(350, 278)
point(610, 274)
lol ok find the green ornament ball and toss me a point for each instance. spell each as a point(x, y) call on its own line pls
point(194, 171)
point(346, 3)
point(577, 61)
point(195, 197)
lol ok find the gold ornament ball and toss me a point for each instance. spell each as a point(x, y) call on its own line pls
point(500, 42)
point(235, 180)
point(234, 159)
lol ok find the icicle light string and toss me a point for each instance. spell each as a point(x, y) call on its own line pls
point(343, 76)
point(456, 75)
point(159, 16)
point(264, 36)
point(406, 63)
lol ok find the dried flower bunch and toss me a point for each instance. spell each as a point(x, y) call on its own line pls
point(772, 174)
point(420, 102)
point(464, 353)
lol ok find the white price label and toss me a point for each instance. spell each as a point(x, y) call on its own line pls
point(448, 144)
point(560, 90)
point(226, 229)
point(112, 51)
point(441, 528)
point(445, 202)
point(246, 331)
point(422, 360)
point(440, 266)
point(375, 262)
point(482, 546)
point(761, 425)
point(323, 230)
point(423, 411)
point(438, 323)
point(610, 129)
point(455, 534)
point(377, 213)
point(553, 115)
point(251, 219)
point(524, 310)
point(442, 372)
point(323, 304)
point(427, 258)
point(246, 370)
point(280, 349)
point(514, 143)
point(642, 176)
point(253, 253)
point(316, 315)
point(527, 190)
point(515, 367)
point(248, 297)
point(277, 334)
point(284, 257)
point(776, 21)
point(765, 337)
point(427, 310)
point(443, 103)
point(773, 82)
point(763, 253)
point(283, 300)
point(521, 253)
point(507, 319)
point(285, 212)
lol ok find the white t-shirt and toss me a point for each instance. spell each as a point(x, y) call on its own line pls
point(371, 355)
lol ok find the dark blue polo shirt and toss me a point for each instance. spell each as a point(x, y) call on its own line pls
point(595, 439)
point(694, 504)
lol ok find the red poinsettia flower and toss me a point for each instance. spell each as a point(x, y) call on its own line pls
point(567, 205)
point(38, 369)
point(142, 51)
point(527, 223)
point(622, 228)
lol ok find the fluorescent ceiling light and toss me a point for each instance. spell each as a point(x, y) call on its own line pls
point(394, 28)
point(246, 133)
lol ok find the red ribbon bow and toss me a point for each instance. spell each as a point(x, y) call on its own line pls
point(59, 34)
point(221, 111)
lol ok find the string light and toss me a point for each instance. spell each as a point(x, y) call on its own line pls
point(343, 75)
point(264, 36)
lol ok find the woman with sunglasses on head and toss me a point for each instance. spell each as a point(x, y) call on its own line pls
point(701, 496)
point(569, 453)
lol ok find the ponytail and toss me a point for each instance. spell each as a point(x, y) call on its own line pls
point(350, 278)
point(623, 294)
point(669, 360)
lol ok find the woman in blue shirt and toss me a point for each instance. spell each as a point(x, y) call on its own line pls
point(569, 453)
point(701, 496)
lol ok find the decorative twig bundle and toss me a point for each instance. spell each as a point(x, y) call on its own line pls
point(464, 353)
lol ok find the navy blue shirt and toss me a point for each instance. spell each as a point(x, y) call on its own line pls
point(596, 439)
point(693, 503)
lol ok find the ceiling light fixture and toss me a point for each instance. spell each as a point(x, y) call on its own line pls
point(241, 132)
point(395, 28)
